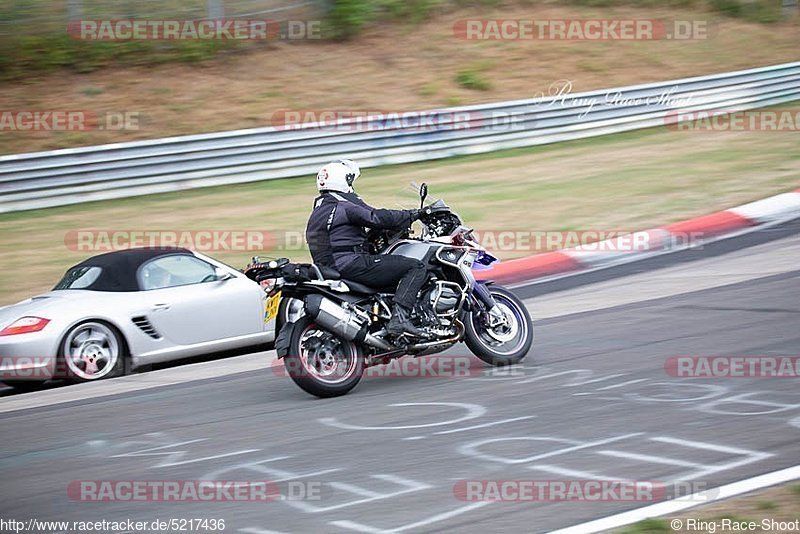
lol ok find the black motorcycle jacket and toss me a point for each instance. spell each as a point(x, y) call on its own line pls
point(337, 227)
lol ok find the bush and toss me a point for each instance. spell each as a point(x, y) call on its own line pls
point(347, 18)
point(473, 79)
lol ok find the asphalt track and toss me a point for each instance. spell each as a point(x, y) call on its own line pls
point(593, 401)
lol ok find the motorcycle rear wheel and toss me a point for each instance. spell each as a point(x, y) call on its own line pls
point(322, 363)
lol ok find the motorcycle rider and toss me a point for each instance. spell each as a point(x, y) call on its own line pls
point(337, 237)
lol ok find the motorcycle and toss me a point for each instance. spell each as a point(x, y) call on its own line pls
point(331, 329)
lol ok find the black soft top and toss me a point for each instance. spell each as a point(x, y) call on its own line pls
point(119, 268)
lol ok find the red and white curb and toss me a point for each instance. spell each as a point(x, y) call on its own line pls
point(670, 238)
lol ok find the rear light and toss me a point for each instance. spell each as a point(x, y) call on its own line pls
point(24, 325)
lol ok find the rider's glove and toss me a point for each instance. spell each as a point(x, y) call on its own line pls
point(415, 214)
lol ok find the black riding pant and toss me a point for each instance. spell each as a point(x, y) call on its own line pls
point(385, 271)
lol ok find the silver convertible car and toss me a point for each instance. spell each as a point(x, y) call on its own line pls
point(118, 311)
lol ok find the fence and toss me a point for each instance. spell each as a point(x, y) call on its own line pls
point(61, 177)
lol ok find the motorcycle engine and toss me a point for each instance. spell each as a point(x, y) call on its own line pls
point(443, 299)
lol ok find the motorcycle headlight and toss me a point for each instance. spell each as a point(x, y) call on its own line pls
point(450, 255)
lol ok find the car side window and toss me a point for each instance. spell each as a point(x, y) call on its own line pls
point(79, 278)
point(173, 271)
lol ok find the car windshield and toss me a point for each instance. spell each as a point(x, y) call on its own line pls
point(79, 278)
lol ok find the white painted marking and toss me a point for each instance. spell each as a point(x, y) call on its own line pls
point(473, 411)
point(359, 527)
point(471, 449)
point(648, 458)
point(684, 503)
point(407, 486)
point(671, 387)
point(573, 473)
point(795, 422)
point(744, 398)
point(173, 457)
point(484, 425)
point(704, 445)
point(156, 438)
point(621, 384)
point(581, 378)
point(276, 474)
point(356, 490)
point(706, 470)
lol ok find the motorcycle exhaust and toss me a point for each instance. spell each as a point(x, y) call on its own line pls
point(342, 322)
point(441, 342)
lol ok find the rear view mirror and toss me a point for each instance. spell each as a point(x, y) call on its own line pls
point(222, 274)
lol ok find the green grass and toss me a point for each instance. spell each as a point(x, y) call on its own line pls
point(766, 505)
point(474, 77)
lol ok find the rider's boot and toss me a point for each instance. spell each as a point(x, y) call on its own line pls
point(400, 323)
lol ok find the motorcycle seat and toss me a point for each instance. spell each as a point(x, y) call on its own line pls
point(355, 287)
point(328, 273)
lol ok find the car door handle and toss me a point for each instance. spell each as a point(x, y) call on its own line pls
point(160, 307)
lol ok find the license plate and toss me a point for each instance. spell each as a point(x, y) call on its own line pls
point(272, 305)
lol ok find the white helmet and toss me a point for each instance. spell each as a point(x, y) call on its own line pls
point(338, 175)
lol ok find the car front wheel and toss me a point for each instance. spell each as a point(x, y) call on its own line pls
point(93, 350)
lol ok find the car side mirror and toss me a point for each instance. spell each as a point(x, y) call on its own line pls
point(222, 274)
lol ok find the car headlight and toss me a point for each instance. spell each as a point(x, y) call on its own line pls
point(24, 325)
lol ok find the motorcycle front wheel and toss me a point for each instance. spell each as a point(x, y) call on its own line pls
point(508, 341)
point(322, 363)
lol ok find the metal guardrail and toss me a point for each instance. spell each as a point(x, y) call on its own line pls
point(70, 176)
